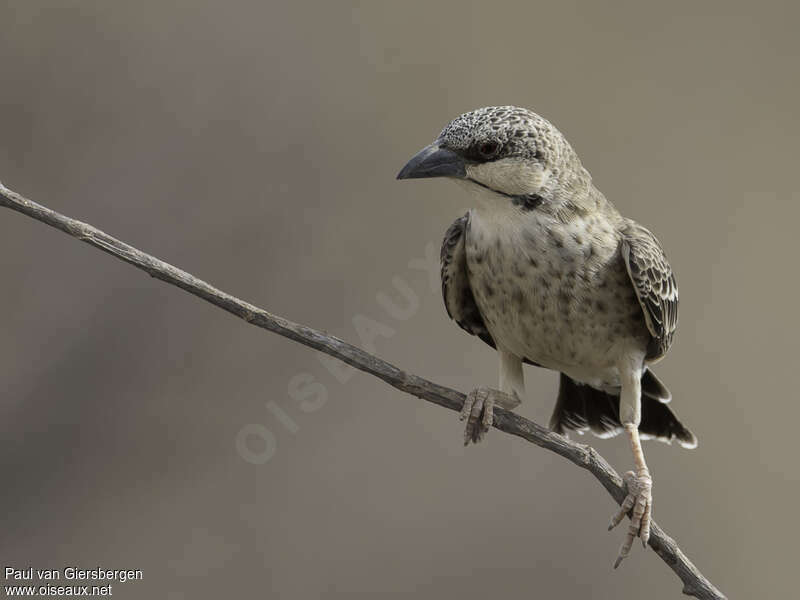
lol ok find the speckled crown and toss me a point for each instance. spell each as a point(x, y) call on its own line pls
point(521, 133)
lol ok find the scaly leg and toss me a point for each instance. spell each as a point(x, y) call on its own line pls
point(639, 483)
point(478, 409)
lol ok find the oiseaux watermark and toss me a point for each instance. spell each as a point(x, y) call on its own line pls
point(257, 443)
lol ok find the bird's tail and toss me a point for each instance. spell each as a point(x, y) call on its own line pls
point(581, 407)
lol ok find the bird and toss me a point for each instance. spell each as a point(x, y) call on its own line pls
point(545, 270)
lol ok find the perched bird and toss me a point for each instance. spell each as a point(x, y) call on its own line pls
point(545, 270)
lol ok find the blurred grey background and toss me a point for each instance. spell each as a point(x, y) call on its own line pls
point(255, 145)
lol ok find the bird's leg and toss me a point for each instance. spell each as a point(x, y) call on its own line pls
point(638, 483)
point(640, 498)
point(478, 409)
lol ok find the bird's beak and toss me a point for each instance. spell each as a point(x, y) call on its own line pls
point(434, 161)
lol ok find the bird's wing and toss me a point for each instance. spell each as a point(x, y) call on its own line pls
point(655, 285)
point(456, 291)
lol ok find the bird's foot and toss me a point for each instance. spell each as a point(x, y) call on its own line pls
point(640, 501)
point(478, 411)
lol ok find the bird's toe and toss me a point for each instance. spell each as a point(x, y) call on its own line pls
point(478, 411)
point(639, 502)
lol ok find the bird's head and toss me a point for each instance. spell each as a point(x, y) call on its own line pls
point(509, 151)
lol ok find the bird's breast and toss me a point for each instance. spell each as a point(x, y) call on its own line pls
point(552, 292)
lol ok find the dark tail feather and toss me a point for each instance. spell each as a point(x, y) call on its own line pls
point(652, 386)
point(580, 408)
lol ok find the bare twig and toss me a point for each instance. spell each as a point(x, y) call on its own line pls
point(694, 583)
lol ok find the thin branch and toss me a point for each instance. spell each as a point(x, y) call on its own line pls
point(694, 583)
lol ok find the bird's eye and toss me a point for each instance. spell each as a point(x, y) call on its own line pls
point(488, 149)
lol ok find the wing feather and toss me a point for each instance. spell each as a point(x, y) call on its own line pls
point(655, 286)
point(456, 291)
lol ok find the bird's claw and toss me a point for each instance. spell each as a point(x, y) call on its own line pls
point(478, 411)
point(640, 501)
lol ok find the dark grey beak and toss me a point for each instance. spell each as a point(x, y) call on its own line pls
point(434, 161)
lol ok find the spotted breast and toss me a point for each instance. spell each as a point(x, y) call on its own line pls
point(557, 294)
